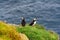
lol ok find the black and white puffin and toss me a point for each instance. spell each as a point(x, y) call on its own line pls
point(33, 22)
point(23, 22)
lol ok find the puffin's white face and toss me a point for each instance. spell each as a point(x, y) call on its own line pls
point(22, 18)
point(35, 19)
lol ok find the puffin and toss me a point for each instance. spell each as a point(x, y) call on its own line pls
point(33, 22)
point(23, 22)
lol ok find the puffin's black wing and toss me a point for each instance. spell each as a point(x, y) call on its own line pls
point(31, 23)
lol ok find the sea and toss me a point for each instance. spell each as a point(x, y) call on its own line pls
point(47, 12)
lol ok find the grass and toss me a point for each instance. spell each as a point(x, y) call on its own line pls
point(37, 32)
point(8, 32)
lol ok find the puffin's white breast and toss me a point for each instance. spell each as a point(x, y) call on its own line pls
point(34, 23)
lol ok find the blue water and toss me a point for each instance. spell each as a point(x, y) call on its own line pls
point(47, 12)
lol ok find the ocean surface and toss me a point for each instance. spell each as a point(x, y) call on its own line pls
point(47, 12)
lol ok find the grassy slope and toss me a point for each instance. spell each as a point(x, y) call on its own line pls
point(8, 32)
point(37, 32)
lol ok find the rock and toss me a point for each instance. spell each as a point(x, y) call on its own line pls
point(23, 37)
